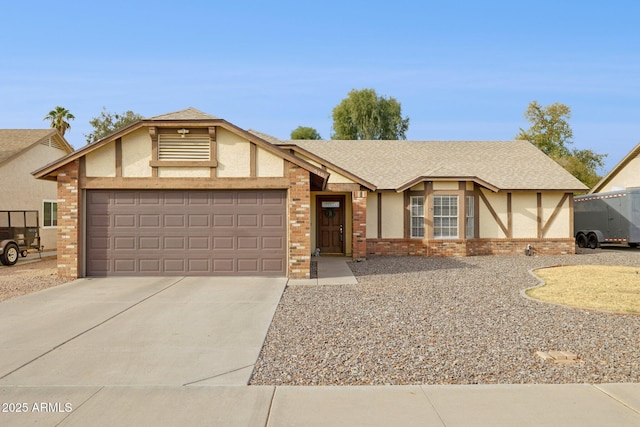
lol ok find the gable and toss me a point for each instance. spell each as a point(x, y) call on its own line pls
point(625, 174)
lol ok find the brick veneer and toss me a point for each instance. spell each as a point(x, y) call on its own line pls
point(445, 248)
point(68, 242)
point(359, 224)
point(299, 223)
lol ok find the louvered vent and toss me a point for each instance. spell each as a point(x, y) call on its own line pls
point(188, 148)
point(52, 142)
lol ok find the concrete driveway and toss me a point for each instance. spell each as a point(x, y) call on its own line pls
point(137, 331)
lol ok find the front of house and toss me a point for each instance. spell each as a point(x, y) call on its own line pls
point(187, 193)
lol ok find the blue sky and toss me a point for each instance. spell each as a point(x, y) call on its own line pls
point(462, 70)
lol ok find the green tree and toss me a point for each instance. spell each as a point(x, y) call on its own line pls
point(365, 115)
point(304, 132)
point(551, 132)
point(59, 118)
point(107, 123)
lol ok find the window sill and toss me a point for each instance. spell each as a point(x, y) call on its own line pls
point(183, 163)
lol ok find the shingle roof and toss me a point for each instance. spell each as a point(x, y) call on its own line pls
point(13, 141)
point(186, 114)
point(506, 165)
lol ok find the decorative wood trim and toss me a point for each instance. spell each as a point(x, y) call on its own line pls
point(509, 217)
point(380, 215)
point(153, 133)
point(539, 214)
point(555, 213)
point(183, 163)
point(174, 130)
point(186, 183)
point(476, 212)
point(118, 157)
point(213, 148)
point(82, 171)
point(344, 188)
point(571, 223)
point(495, 216)
point(407, 216)
point(428, 211)
point(252, 159)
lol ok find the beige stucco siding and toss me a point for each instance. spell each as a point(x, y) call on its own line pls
point(445, 185)
point(102, 162)
point(392, 215)
point(268, 164)
point(560, 226)
point(136, 154)
point(372, 215)
point(173, 172)
point(336, 178)
point(418, 187)
point(525, 215)
point(489, 228)
point(629, 176)
point(21, 191)
point(233, 155)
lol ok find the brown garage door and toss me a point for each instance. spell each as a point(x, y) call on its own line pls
point(196, 233)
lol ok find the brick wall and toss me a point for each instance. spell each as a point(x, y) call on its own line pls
point(299, 223)
point(359, 224)
point(458, 247)
point(68, 242)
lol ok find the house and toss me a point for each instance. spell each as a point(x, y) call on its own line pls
point(625, 174)
point(21, 151)
point(187, 193)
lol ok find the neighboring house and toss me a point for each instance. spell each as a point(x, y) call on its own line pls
point(625, 174)
point(187, 193)
point(22, 151)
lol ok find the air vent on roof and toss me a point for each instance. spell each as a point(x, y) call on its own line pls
point(185, 147)
point(52, 142)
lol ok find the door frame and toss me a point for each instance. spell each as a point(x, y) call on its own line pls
point(329, 197)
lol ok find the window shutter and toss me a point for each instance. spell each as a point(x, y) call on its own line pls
point(195, 147)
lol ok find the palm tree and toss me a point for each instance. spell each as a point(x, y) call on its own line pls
point(59, 117)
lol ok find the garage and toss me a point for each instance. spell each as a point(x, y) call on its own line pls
point(186, 233)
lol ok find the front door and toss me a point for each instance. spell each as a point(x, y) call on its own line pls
point(330, 219)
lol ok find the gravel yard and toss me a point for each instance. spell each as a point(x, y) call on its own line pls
point(414, 320)
point(26, 277)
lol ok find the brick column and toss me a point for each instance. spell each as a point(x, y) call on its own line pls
point(359, 225)
point(299, 223)
point(68, 241)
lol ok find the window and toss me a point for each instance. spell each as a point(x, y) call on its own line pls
point(445, 217)
point(187, 148)
point(470, 218)
point(50, 209)
point(417, 216)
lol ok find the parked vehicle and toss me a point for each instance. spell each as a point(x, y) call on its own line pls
point(19, 235)
point(611, 217)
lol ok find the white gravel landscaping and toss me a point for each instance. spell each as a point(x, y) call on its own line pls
point(414, 320)
point(26, 277)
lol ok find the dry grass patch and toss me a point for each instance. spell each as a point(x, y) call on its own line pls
point(600, 287)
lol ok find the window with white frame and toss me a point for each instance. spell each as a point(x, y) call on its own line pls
point(470, 218)
point(50, 211)
point(445, 217)
point(417, 216)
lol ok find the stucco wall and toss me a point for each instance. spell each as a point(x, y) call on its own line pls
point(102, 162)
point(525, 214)
point(268, 164)
point(336, 178)
point(21, 191)
point(560, 226)
point(489, 228)
point(136, 154)
point(372, 215)
point(445, 185)
point(173, 172)
point(233, 155)
point(629, 176)
point(392, 215)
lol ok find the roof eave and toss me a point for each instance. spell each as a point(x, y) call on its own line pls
point(420, 179)
point(621, 164)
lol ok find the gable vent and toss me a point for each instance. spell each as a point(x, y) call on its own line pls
point(190, 147)
point(52, 142)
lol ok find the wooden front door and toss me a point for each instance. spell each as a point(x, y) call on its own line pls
point(330, 212)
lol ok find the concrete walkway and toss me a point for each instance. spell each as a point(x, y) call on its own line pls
point(109, 399)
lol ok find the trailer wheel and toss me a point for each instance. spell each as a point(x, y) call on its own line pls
point(10, 255)
point(593, 241)
point(633, 245)
point(24, 253)
point(581, 240)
